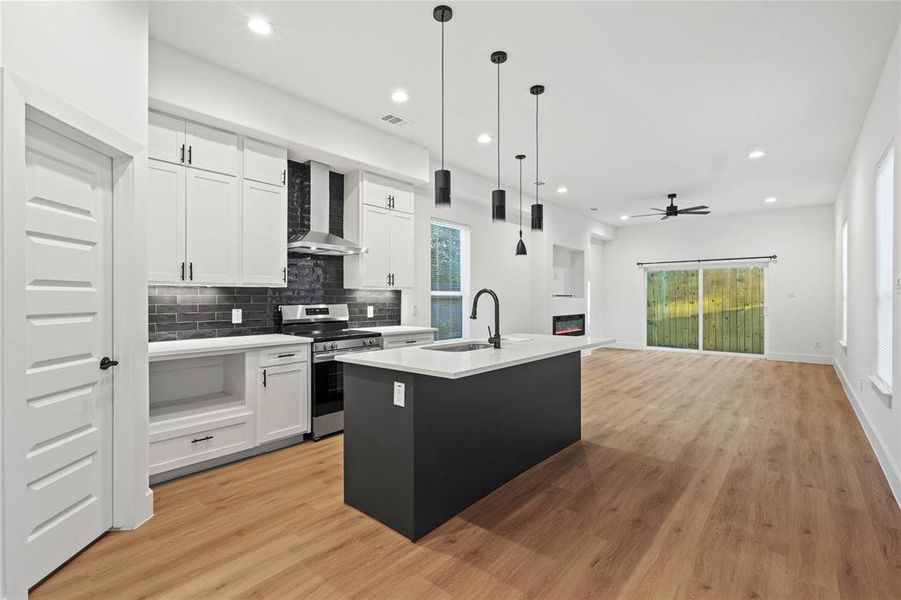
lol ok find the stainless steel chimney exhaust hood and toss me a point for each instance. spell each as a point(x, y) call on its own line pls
point(318, 240)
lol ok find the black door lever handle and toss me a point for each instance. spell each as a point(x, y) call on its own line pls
point(106, 363)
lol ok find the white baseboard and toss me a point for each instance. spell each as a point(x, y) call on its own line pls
point(817, 359)
point(625, 346)
point(889, 467)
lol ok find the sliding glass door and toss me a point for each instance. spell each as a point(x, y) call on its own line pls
point(715, 309)
point(734, 310)
point(673, 309)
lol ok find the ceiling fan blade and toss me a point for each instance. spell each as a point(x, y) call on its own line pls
point(700, 212)
point(664, 218)
point(658, 209)
point(650, 215)
point(691, 208)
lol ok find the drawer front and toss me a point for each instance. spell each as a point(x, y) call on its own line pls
point(411, 340)
point(284, 355)
point(199, 445)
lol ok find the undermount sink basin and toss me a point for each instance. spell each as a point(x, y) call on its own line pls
point(465, 347)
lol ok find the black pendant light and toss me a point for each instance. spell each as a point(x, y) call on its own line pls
point(520, 245)
point(499, 196)
point(442, 14)
point(537, 208)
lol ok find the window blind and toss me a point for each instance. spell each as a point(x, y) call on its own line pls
point(884, 262)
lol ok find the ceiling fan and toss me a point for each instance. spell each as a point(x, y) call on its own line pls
point(674, 211)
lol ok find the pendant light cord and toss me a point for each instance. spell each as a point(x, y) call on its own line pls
point(520, 199)
point(498, 125)
point(537, 178)
point(442, 95)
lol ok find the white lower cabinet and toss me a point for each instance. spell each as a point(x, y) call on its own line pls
point(206, 406)
point(283, 408)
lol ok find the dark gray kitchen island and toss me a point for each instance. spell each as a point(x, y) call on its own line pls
point(428, 433)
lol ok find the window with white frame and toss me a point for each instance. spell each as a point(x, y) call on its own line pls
point(885, 201)
point(844, 327)
point(450, 279)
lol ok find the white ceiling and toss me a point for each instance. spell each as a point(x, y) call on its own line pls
point(642, 98)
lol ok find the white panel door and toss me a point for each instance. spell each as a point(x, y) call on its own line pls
point(212, 149)
point(402, 250)
point(166, 138)
point(284, 407)
point(165, 222)
point(265, 233)
point(265, 163)
point(374, 264)
point(213, 228)
point(68, 398)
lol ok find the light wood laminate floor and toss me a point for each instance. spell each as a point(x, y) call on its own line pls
point(697, 476)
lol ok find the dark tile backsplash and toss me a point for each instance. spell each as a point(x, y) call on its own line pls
point(181, 312)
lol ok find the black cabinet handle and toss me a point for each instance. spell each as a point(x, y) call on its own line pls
point(191, 270)
point(182, 153)
point(203, 439)
point(285, 274)
point(106, 363)
point(285, 355)
point(284, 176)
point(182, 270)
point(264, 377)
point(189, 154)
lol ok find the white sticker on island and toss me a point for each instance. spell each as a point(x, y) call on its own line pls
point(398, 393)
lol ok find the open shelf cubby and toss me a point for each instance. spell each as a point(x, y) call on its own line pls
point(186, 388)
point(569, 273)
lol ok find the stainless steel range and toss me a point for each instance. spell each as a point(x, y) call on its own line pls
point(327, 325)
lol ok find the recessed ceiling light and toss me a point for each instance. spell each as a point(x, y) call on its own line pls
point(624, 218)
point(755, 154)
point(562, 189)
point(485, 139)
point(400, 96)
point(259, 26)
point(593, 209)
point(770, 200)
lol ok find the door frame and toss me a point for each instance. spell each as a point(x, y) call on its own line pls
point(700, 267)
point(132, 501)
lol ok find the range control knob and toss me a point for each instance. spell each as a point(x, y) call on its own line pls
point(334, 345)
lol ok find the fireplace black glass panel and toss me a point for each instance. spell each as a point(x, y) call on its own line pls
point(569, 324)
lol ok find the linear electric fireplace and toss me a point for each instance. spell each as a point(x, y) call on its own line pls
point(569, 324)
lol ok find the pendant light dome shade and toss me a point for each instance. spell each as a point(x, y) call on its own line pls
point(442, 14)
point(498, 196)
point(537, 208)
point(520, 245)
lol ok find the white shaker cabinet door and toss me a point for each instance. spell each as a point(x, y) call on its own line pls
point(375, 264)
point(213, 227)
point(166, 138)
point(265, 233)
point(401, 250)
point(265, 163)
point(212, 149)
point(284, 405)
point(165, 222)
point(402, 199)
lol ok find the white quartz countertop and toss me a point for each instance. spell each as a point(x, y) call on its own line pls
point(390, 330)
point(516, 349)
point(177, 348)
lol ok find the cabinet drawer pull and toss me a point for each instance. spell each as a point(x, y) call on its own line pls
point(203, 439)
point(285, 355)
point(411, 341)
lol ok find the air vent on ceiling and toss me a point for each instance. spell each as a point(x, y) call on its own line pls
point(393, 119)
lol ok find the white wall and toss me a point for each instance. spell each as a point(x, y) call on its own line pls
point(800, 282)
point(93, 56)
point(191, 87)
point(855, 203)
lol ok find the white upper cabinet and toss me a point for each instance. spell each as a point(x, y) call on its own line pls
point(265, 163)
point(206, 224)
point(213, 224)
point(166, 138)
point(378, 214)
point(212, 149)
point(265, 233)
point(165, 222)
point(401, 252)
point(376, 263)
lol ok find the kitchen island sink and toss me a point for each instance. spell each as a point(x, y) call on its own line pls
point(466, 347)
